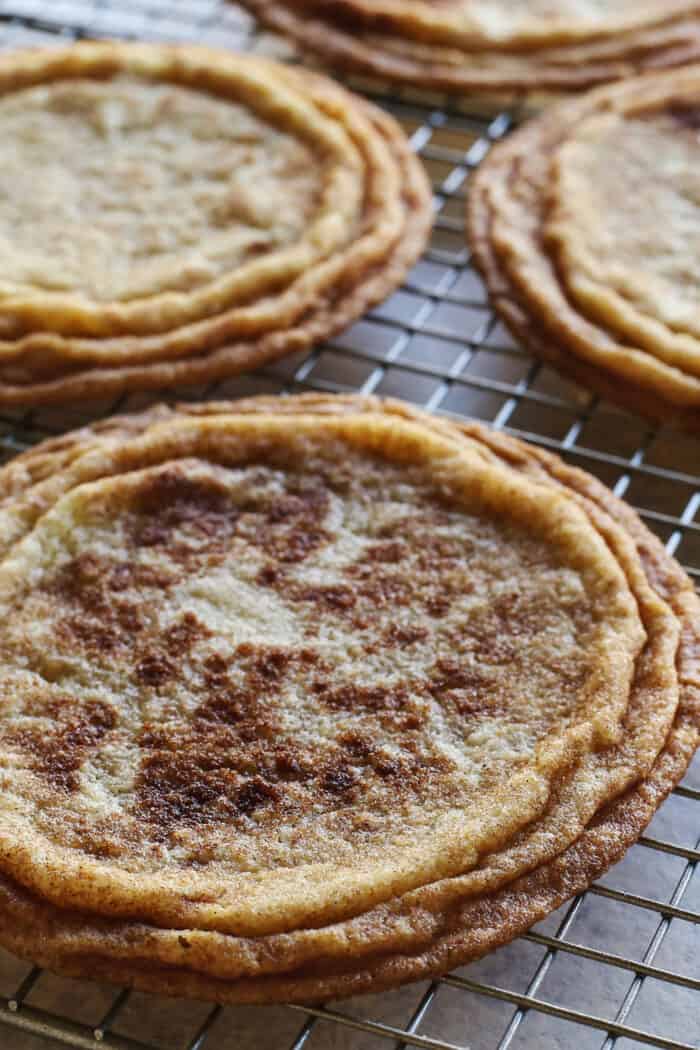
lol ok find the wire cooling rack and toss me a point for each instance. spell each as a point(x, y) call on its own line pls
point(618, 967)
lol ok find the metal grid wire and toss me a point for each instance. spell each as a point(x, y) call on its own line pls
point(618, 967)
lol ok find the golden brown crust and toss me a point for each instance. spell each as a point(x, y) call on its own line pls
point(350, 258)
point(371, 43)
point(437, 931)
point(508, 208)
point(479, 927)
point(94, 607)
point(523, 25)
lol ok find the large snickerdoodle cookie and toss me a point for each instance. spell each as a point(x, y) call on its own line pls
point(308, 696)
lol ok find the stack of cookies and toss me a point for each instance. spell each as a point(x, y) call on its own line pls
point(308, 697)
point(585, 225)
point(192, 214)
point(466, 45)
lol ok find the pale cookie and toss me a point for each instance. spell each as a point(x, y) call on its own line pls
point(584, 226)
point(477, 45)
point(192, 214)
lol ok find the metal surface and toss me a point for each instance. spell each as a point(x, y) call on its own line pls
point(617, 967)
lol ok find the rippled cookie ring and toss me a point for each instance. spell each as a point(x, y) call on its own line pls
point(584, 224)
point(192, 213)
point(308, 696)
point(492, 45)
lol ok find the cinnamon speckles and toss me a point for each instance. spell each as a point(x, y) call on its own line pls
point(180, 788)
point(154, 669)
point(255, 793)
point(171, 502)
point(224, 762)
point(405, 635)
point(102, 601)
point(239, 691)
point(237, 759)
point(338, 781)
point(63, 734)
point(356, 697)
point(411, 768)
point(196, 519)
point(185, 632)
point(163, 655)
point(382, 590)
point(408, 567)
point(268, 663)
point(335, 597)
point(98, 616)
point(472, 693)
point(297, 647)
point(391, 553)
point(291, 528)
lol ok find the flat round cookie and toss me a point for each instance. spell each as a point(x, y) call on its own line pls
point(470, 45)
point(489, 23)
point(193, 213)
point(584, 225)
point(268, 667)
